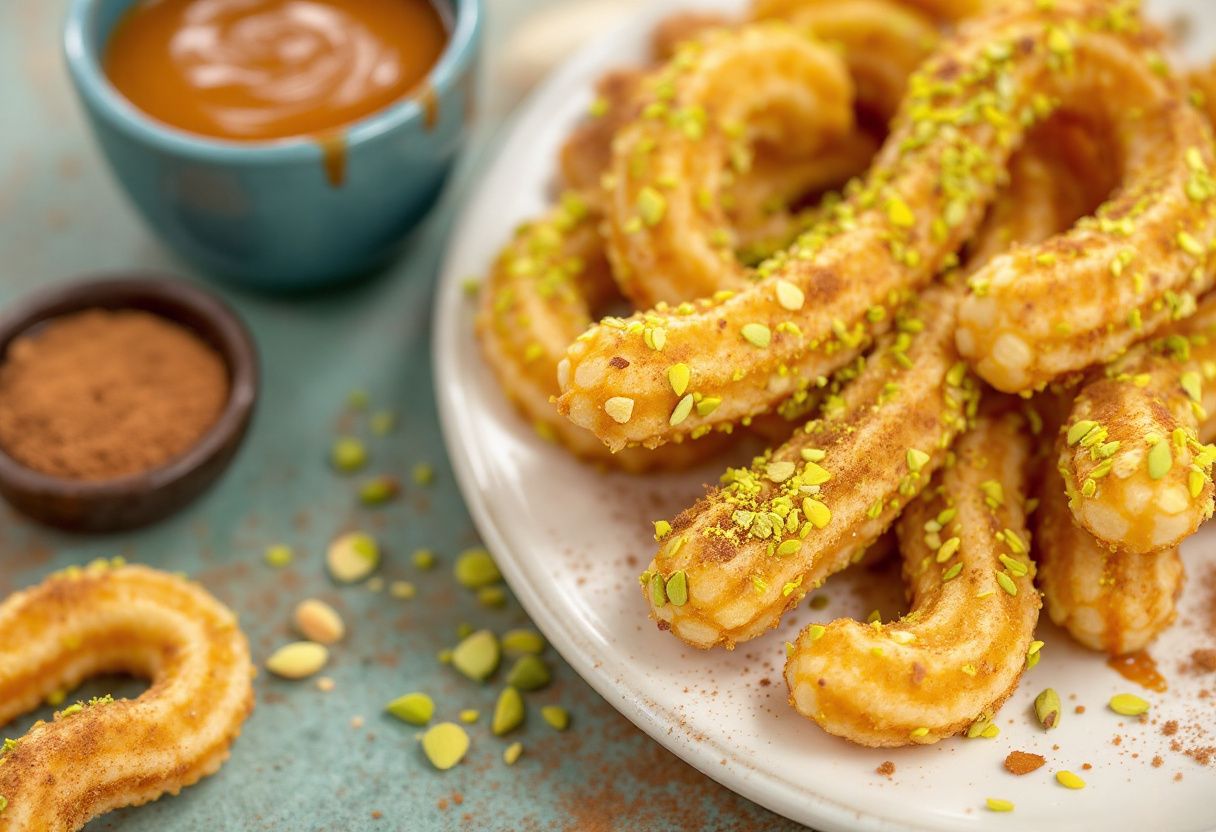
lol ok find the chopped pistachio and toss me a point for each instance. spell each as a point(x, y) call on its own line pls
point(423, 473)
point(678, 376)
point(681, 411)
point(352, 557)
point(995, 804)
point(348, 454)
point(475, 569)
point(1006, 583)
point(557, 716)
point(1069, 780)
point(620, 408)
point(279, 555)
point(414, 708)
point(1078, 431)
point(511, 754)
point(469, 716)
point(298, 660)
point(757, 335)
point(816, 512)
point(789, 547)
point(916, 460)
point(379, 490)
point(676, 588)
point(652, 206)
point(318, 621)
point(1160, 460)
point(445, 745)
point(423, 558)
point(402, 589)
point(917, 733)
point(1128, 704)
point(789, 296)
point(477, 655)
point(508, 712)
point(662, 528)
point(816, 631)
point(1047, 708)
point(494, 597)
point(357, 399)
point(520, 642)
point(529, 673)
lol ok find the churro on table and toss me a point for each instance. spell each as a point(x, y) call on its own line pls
point(101, 755)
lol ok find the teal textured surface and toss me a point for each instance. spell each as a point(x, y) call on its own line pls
point(299, 764)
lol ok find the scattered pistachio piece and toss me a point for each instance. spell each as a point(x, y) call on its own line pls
point(379, 490)
point(512, 752)
point(508, 712)
point(352, 557)
point(995, 804)
point(469, 716)
point(402, 589)
point(477, 655)
point(557, 716)
point(279, 555)
point(298, 660)
point(357, 399)
point(319, 622)
point(529, 673)
point(517, 642)
point(423, 473)
point(758, 335)
point(678, 376)
point(445, 745)
point(492, 596)
point(1069, 780)
point(414, 708)
point(475, 569)
point(348, 454)
point(1128, 704)
point(423, 558)
point(789, 296)
point(1160, 460)
point(1047, 708)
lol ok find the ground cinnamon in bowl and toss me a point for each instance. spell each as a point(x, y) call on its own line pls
point(101, 394)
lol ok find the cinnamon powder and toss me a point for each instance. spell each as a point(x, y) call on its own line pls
point(101, 394)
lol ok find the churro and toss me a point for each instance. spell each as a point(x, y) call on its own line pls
point(105, 754)
point(958, 653)
point(732, 564)
point(1105, 598)
point(666, 231)
point(1136, 473)
point(967, 109)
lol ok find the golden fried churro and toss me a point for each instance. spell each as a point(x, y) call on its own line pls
point(539, 295)
point(1124, 273)
point(959, 652)
point(106, 754)
point(1136, 473)
point(1105, 598)
point(731, 565)
point(967, 110)
point(666, 231)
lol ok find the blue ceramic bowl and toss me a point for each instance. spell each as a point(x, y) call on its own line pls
point(271, 214)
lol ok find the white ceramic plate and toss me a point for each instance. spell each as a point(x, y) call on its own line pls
point(571, 542)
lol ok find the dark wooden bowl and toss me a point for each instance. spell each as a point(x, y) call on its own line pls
point(137, 499)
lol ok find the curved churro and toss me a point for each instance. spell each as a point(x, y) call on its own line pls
point(731, 565)
point(106, 754)
point(967, 110)
point(1127, 271)
point(1136, 473)
point(1105, 598)
point(959, 652)
point(540, 294)
point(665, 229)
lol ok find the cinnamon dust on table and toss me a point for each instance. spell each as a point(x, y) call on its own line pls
point(100, 394)
point(1023, 762)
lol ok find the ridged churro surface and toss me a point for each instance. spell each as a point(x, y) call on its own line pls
point(98, 756)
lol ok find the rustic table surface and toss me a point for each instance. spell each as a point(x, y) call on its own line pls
point(300, 765)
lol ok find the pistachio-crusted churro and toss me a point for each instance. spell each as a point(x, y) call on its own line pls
point(1106, 599)
point(98, 756)
point(1136, 473)
point(967, 110)
point(732, 564)
point(959, 652)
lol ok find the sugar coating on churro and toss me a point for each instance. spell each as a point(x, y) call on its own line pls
point(959, 652)
point(98, 756)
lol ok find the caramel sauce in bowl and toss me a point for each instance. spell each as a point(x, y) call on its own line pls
point(269, 69)
point(283, 144)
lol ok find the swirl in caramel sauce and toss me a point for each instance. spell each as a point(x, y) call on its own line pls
point(250, 70)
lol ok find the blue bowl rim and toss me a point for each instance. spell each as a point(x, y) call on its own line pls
point(102, 97)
